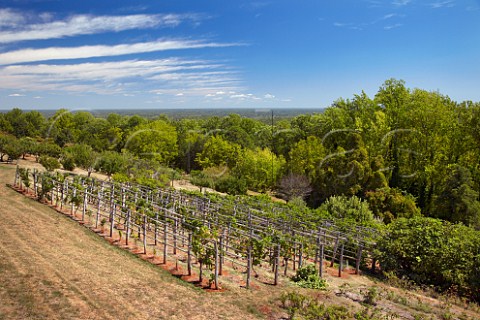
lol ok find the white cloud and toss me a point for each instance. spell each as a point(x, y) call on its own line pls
point(442, 4)
point(9, 18)
point(16, 95)
point(393, 26)
point(80, 25)
point(269, 96)
point(401, 3)
point(131, 77)
point(62, 53)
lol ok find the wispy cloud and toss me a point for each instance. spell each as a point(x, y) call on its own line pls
point(19, 30)
point(62, 53)
point(192, 77)
point(442, 4)
point(401, 3)
point(393, 26)
point(16, 95)
point(9, 18)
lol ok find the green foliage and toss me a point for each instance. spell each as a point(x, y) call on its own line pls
point(307, 277)
point(231, 185)
point(218, 152)
point(430, 251)
point(68, 162)
point(111, 162)
point(458, 201)
point(298, 305)
point(351, 209)
point(390, 203)
point(156, 140)
point(50, 163)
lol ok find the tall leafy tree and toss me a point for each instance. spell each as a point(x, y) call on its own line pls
point(156, 140)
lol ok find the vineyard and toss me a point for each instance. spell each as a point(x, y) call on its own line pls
point(204, 232)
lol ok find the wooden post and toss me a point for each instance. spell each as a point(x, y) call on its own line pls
point(249, 266)
point(35, 187)
point(74, 194)
point(335, 248)
point(359, 259)
point(340, 264)
point(127, 232)
point(144, 234)
point(189, 254)
point(15, 182)
point(175, 224)
point(156, 228)
point(300, 256)
point(216, 264)
point(98, 208)
point(220, 266)
point(112, 219)
point(84, 204)
point(165, 238)
point(277, 264)
point(320, 269)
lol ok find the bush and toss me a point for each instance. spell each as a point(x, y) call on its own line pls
point(49, 163)
point(434, 252)
point(231, 185)
point(298, 304)
point(307, 277)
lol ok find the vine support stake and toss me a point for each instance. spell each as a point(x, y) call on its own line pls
point(144, 234)
point(98, 208)
point(359, 258)
point(189, 254)
point(320, 269)
point(340, 263)
point(220, 269)
point(277, 264)
point(127, 233)
point(15, 182)
point(156, 228)
point(84, 209)
point(215, 245)
point(165, 239)
point(249, 266)
point(112, 219)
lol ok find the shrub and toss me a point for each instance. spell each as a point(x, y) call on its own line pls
point(431, 251)
point(307, 277)
point(49, 163)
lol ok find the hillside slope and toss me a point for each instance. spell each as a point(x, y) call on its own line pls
point(53, 268)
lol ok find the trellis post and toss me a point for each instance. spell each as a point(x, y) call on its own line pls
point(320, 269)
point(144, 234)
point(359, 258)
point(127, 233)
point(112, 219)
point(216, 264)
point(277, 264)
point(189, 254)
point(165, 238)
point(340, 264)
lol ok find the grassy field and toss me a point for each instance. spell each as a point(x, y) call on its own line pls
point(51, 267)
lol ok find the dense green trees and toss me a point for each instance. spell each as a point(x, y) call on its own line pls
point(405, 151)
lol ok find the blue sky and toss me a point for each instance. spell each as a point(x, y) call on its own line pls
point(256, 54)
